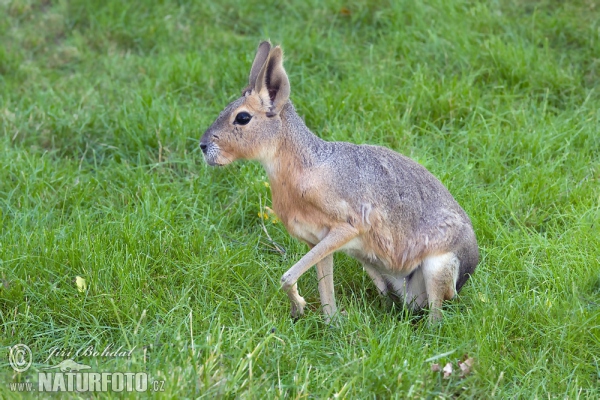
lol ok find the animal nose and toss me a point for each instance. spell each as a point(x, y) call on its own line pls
point(203, 147)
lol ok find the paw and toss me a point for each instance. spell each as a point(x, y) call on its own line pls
point(435, 318)
point(298, 305)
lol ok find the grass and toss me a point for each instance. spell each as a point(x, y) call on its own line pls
point(102, 105)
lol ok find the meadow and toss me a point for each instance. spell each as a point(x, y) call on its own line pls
point(102, 105)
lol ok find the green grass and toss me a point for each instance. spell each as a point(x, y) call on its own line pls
point(102, 105)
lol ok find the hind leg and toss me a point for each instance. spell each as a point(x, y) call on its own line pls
point(409, 290)
point(377, 278)
point(440, 274)
point(383, 285)
point(415, 292)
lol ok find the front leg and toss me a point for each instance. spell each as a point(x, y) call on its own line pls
point(336, 238)
point(326, 293)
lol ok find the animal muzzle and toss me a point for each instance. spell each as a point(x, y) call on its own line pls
point(211, 153)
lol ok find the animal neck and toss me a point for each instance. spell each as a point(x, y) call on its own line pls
point(297, 148)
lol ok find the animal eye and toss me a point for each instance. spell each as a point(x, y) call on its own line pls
point(242, 118)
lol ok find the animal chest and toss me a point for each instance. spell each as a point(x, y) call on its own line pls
point(300, 218)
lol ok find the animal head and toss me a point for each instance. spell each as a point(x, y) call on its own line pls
point(249, 127)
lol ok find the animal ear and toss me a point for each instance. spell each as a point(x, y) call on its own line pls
point(272, 83)
point(262, 53)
